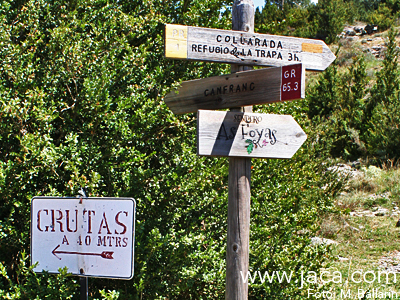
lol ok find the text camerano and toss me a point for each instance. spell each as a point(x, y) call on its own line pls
point(229, 89)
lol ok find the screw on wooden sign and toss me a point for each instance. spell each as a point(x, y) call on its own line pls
point(239, 89)
point(89, 236)
point(239, 47)
point(221, 133)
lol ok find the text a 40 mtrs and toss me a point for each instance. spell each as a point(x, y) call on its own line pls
point(68, 221)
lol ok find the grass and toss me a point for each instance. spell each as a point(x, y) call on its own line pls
point(366, 242)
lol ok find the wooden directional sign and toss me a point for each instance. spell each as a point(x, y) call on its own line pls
point(89, 236)
point(222, 133)
point(226, 46)
point(239, 89)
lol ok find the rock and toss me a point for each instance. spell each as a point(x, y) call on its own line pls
point(398, 223)
point(317, 241)
point(356, 163)
point(342, 258)
point(391, 262)
point(345, 170)
point(371, 28)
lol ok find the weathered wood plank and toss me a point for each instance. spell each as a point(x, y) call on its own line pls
point(221, 133)
point(240, 47)
point(239, 89)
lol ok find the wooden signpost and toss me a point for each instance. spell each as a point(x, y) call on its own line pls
point(222, 133)
point(239, 89)
point(241, 134)
point(225, 46)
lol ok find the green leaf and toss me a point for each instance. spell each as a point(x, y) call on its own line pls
point(250, 146)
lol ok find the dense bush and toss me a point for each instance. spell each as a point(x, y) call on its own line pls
point(355, 120)
point(81, 104)
point(383, 107)
point(324, 19)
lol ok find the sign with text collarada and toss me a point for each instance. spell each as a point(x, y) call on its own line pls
point(231, 133)
point(239, 47)
point(92, 237)
point(239, 89)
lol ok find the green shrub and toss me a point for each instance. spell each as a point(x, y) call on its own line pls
point(81, 104)
point(331, 15)
point(382, 17)
point(29, 285)
point(383, 107)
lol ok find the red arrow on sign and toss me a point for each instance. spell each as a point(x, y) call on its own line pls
point(104, 254)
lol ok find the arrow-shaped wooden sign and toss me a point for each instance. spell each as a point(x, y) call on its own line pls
point(222, 133)
point(239, 89)
point(226, 46)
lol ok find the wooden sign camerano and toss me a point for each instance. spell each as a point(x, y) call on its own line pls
point(238, 47)
point(239, 89)
point(222, 133)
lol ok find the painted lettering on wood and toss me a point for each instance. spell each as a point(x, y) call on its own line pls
point(92, 237)
point(221, 133)
point(239, 89)
point(206, 44)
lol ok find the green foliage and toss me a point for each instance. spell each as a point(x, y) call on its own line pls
point(394, 5)
point(30, 285)
point(353, 119)
point(331, 16)
point(324, 20)
point(250, 146)
point(383, 107)
point(270, 20)
point(336, 106)
point(383, 17)
point(283, 244)
point(109, 295)
point(349, 115)
point(81, 104)
point(323, 96)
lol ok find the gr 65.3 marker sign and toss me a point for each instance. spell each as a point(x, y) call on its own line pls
point(89, 236)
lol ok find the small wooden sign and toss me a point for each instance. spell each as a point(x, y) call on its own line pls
point(226, 46)
point(222, 133)
point(239, 89)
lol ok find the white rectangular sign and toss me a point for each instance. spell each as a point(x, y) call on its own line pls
point(90, 236)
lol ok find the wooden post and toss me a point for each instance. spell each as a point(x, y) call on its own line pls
point(237, 254)
point(83, 288)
